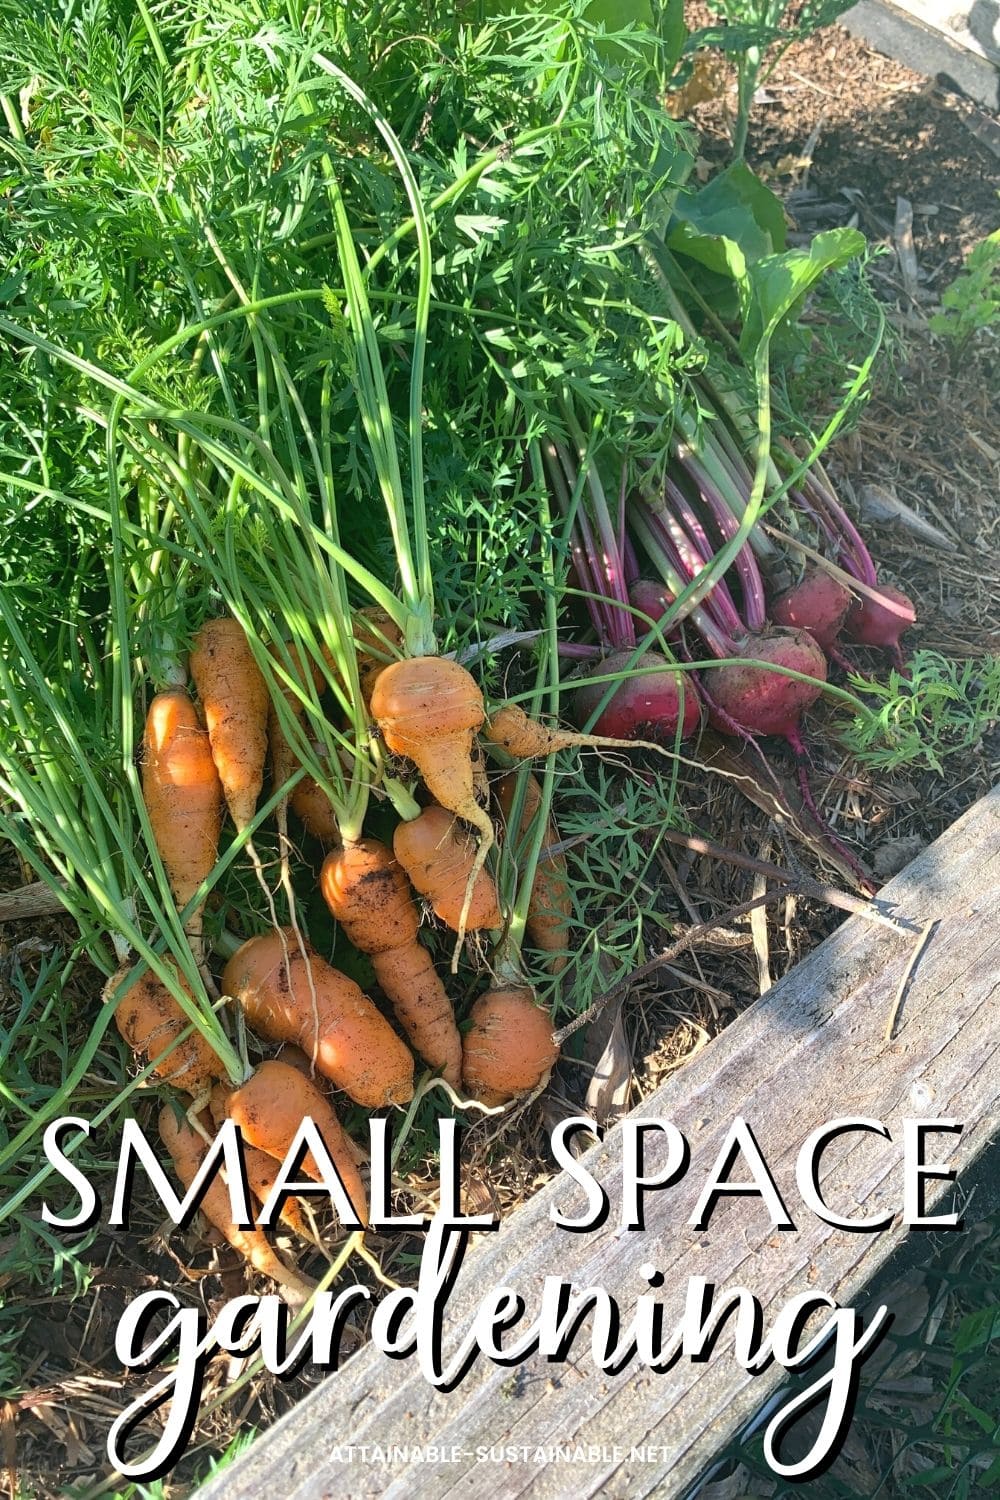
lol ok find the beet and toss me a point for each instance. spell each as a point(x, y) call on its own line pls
point(652, 597)
point(818, 603)
point(763, 702)
point(641, 707)
point(871, 624)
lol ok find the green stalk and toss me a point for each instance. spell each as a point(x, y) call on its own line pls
point(425, 581)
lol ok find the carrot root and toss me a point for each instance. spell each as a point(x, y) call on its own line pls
point(367, 891)
point(187, 1151)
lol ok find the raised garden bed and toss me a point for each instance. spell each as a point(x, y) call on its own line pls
point(837, 1034)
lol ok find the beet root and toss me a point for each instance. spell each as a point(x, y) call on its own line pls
point(646, 707)
point(654, 599)
point(818, 603)
point(763, 702)
point(870, 623)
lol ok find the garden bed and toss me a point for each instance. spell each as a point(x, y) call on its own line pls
point(841, 133)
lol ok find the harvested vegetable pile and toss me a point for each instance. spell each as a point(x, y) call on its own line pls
point(388, 420)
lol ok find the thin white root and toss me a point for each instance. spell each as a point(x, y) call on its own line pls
point(193, 1111)
point(486, 840)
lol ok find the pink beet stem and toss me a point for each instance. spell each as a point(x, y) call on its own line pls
point(574, 651)
point(754, 608)
point(656, 542)
point(583, 552)
point(718, 604)
point(630, 561)
point(605, 562)
point(856, 557)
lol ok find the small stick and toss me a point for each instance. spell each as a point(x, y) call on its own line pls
point(803, 886)
point(843, 900)
point(904, 984)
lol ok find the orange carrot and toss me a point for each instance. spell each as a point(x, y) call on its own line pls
point(368, 893)
point(235, 699)
point(270, 1107)
point(292, 995)
point(551, 906)
point(296, 1058)
point(428, 709)
point(527, 739)
point(187, 1151)
point(374, 632)
point(440, 865)
point(183, 797)
point(261, 1169)
point(315, 811)
point(149, 1019)
point(509, 1048)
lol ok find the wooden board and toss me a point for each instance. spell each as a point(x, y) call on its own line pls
point(958, 42)
point(967, 23)
point(813, 1050)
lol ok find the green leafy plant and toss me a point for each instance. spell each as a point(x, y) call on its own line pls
point(942, 707)
point(971, 303)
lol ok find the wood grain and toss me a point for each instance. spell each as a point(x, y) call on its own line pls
point(35, 900)
point(811, 1051)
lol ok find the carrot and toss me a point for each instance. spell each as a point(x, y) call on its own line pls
point(187, 1151)
point(298, 997)
point(282, 759)
point(429, 709)
point(315, 811)
point(441, 867)
point(235, 699)
point(296, 1058)
point(183, 797)
point(509, 1047)
point(261, 1169)
point(527, 739)
point(368, 893)
point(270, 1107)
point(376, 634)
point(149, 1019)
point(550, 907)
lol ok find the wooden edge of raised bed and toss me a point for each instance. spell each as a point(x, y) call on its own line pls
point(959, 44)
point(813, 1050)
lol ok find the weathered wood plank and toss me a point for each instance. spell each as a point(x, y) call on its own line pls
point(811, 1051)
point(35, 900)
point(967, 23)
point(960, 43)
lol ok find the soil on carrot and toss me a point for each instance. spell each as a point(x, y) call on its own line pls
point(929, 438)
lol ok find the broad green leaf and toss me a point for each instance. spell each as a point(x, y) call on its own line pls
point(777, 284)
point(619, 15)
point(730, 223)
point(977, 1329)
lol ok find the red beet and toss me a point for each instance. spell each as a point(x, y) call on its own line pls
point(641, 707)
point(654, 599)
point(818, 603)
point(763, 702)
point(872, 624)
